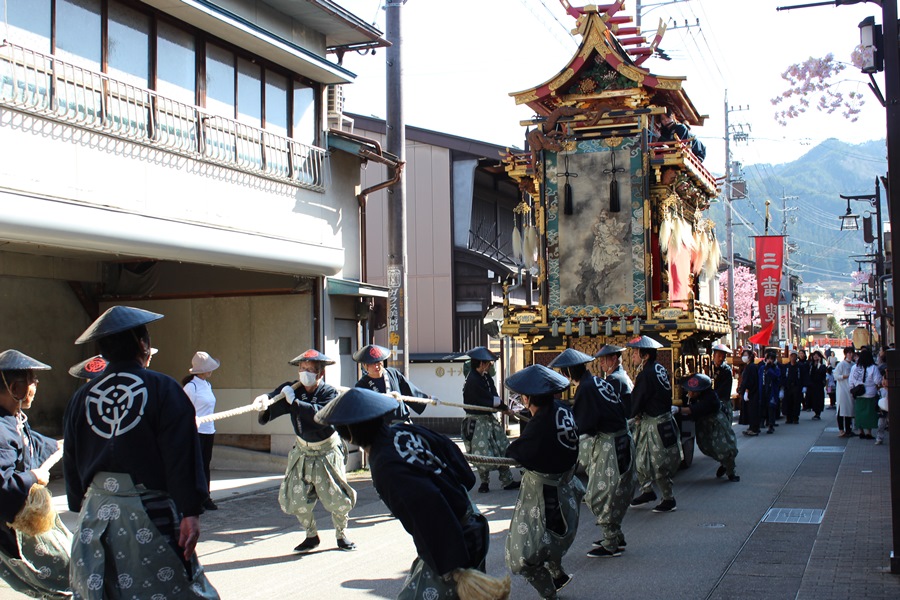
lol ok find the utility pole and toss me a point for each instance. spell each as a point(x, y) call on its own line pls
point(398, 321)
point(786, 279)
point(784, 211)
point(729, 222)
point(892, 96)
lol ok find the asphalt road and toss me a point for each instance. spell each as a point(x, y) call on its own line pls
point(247, 545)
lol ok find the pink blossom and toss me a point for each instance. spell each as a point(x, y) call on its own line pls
point(744, 293)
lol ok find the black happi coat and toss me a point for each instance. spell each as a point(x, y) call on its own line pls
point(723, 381)
point(598, 408)
point(423, 479)
point(621, 382)
point(399, 383)
point(805, 366)
point(652, 394)
point(302, 410)
point(19, 454)
point(792, 379)
point(479, 390)
point(549, 442)
point(705, 405)
point(749, 381)
point(136, 421)
point(815, 393)
point(769, 384)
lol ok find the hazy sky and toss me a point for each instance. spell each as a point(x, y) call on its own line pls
point(462, 59)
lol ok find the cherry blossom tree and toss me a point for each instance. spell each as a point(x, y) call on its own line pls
point(744, 293)
point(860, 277)
point(816, 82)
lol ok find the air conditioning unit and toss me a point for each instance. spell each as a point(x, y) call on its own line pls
point(335, 106)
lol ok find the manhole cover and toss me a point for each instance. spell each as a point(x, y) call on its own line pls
point(833, 449)
point(806, 516)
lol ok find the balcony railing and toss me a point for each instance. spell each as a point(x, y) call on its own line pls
point(678, 153)
point(45, 86)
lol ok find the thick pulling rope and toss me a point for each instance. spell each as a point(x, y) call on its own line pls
point(241, 409)
point(434, 401)
point(53, 459)
point(491, 460)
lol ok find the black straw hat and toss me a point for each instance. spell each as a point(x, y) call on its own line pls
point(608, 349)
point(88, 369)
point(13, 360)
point(481, 353)
point(115, 320)
point(355, 406)
point(537, 380)
point(311, 355)
point(371, 354)
point(697, 383)
point(643, 342)
point(569, 358)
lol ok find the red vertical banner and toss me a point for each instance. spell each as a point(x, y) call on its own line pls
point(769, 267)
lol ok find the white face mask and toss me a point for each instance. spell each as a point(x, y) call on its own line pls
point(307, 379)
point(745, 359)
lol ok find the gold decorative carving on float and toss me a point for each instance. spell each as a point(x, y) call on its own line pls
point(612, 142)
point(675, 336)
point(671, 313)
point(632, 73)
point(561, 79)
point(596, 42)
point(668, 84)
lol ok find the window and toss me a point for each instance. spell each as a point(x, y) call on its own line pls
point(128, 56)
point(220, 81)
point(175, 71)
point(276, 103)
point(815, 323)
point(249, 93)
point(219, 132)
point(29, 23)
point(78, 90)
point(249, 109)
point(304, 113)
point(276, 147)
point(78, 32)
point(128, 64)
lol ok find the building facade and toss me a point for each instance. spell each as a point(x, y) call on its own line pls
point(174, 155)
point(460, 222)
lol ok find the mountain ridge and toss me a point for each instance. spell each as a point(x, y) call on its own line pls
point(810, 188)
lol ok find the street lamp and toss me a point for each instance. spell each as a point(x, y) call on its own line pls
point(849, 221)
point(870, 38)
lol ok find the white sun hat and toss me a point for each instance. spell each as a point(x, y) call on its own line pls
point(203, 363)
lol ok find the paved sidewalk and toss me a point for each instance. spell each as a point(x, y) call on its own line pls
point(851, 554)
point(845, 483)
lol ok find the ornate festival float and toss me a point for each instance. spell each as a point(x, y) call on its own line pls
point(611, 226)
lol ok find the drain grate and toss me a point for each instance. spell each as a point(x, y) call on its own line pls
point(832, 429)
point(834, 449)
point(806, 516)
